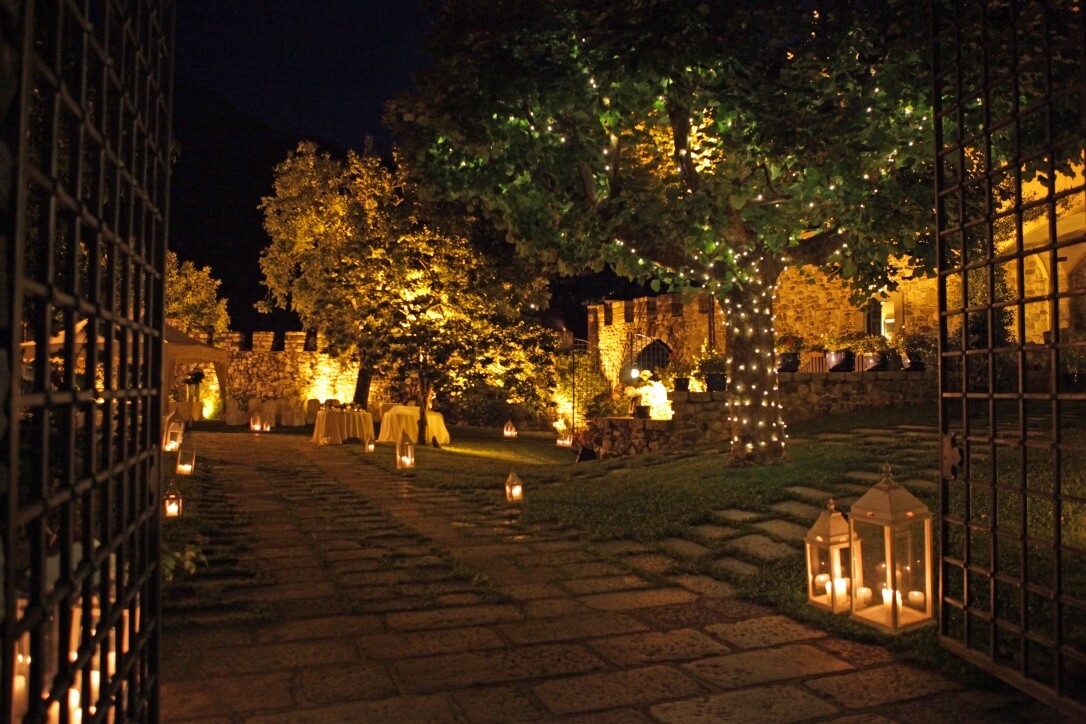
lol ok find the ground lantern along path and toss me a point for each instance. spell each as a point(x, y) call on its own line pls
point(384, 601)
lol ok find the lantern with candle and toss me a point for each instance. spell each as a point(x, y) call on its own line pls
point(186, 461)
point(256, 424)
point(514, 489)
point(405, 453)
point(891, 557)
point(509, 430)
point(172, 502)
point(828, 544)
point(565, 440)
point(175, 432)
point(369, 445)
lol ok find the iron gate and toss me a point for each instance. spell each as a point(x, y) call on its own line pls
point(84, 163)
point(1009, 98)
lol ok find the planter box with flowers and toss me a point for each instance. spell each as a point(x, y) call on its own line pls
point(840, 349)
point(789, 346)
point(876, 351)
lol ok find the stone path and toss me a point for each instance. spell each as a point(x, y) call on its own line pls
point(389, 602)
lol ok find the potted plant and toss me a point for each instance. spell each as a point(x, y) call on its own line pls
point(840, 349)
point(789, 345)
point(679, 371)
point(916, 349)
point(876, 351)
point(712, 367)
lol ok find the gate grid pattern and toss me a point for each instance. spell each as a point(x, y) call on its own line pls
point(1009, 97)
point(84, 158)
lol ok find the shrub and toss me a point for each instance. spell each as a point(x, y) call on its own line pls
point(841, 340)
point(789, 343)
point(873, 344)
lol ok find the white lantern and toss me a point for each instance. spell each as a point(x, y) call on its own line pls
point(368, 445)
point(564, 441)
point(405, 453)
point(891, 558)
point(255, 423)
point(514, 489)
point(828, 571)
point(172, 502)
point(186, 461)
point(266, 426)
point(509, 430)
point(174, 434)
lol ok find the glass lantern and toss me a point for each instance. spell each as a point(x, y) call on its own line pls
point(172, 502)
point(405, 453)
point(514, 489)
point(891, 558)
point(255, 423)
point(565, 441)
point(174, 434)
point(509, 430)
point(186, 461)
point(369, 445)
point(828, 573)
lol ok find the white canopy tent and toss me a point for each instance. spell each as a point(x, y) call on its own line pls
point(179, 347)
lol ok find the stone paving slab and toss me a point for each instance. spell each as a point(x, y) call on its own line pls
point(783, 529)
point(628, 600)
point(807, 493)
point(269, 657)
point(632, 687)
point(759, 666)
point(736, 566)
point(712, 532)
point(453, 671)
point(704, 585)
point(651, 562)
point(593, 569)
point(684, 548)
point(496, 705)
point(620, 547)
point(767, 704)
point(453, 617)
point(580, 586)
point(763, 631)
point(920, 484)
point(864, 475)
point(804, 511)
point(331, 684)
point(654, 647)
point(396, 709)
point(734, 515)
point(552, 607)
point(427, 643)
point(592, 623)
point(875, 687)
point(201, 698)
point(761, 547)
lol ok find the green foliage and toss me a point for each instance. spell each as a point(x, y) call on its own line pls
point(790, 343)
point(873, 344)
point(581, 384)
point(924, 344)
point(841, 340)
point(181, 561)
point(192, 298)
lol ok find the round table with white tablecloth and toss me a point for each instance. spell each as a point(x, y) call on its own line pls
point(405, 418)
point(334, 426)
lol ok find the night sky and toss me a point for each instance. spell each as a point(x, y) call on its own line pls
point(319, 69)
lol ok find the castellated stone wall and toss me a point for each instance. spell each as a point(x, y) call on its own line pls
point(702, 417)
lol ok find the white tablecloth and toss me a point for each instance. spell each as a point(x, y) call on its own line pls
point(334, 426)
point(405, 418)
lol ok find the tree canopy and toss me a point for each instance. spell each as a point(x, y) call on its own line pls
point(192, 298)
point(410, 288)
point(694, 143)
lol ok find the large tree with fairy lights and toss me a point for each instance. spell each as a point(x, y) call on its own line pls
point(703, 144)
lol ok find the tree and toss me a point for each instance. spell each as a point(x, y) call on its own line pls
point(192, 298)
point(673, 143)
point(330, 222)
point(409, 287)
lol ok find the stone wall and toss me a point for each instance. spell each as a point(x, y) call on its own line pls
point(701, 417)
point(257, 372)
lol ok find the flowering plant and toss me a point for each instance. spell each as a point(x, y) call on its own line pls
point(789, 343)
point(873, 344)
point(840, 341)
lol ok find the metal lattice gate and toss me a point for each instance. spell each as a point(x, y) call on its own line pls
point(84, 166)
point(1009, 108)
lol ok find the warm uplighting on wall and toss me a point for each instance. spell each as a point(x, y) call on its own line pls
point(332, 379)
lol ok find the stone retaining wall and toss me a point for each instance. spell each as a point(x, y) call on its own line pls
point(701, 417)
